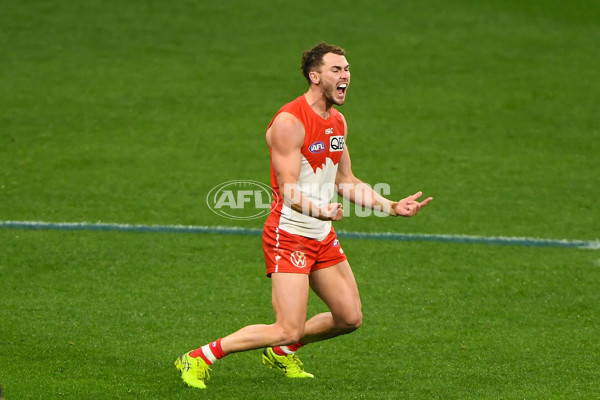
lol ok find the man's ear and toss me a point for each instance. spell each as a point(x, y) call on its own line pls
point(314, 77)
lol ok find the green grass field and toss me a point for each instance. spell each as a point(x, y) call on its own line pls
point(130, 112)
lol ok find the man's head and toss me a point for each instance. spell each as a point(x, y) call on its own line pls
point(312, 59)
point(325, 68)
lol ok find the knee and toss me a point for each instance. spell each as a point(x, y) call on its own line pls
point(356, 322)
point(351, 322)
point(288, 336)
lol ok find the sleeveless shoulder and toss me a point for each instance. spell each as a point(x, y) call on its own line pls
point(294, 107)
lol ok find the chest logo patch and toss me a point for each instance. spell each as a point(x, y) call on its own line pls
point(316, 147)
point(336, 143)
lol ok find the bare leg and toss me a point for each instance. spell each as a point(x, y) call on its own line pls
point(290, 297)
point(337, 287)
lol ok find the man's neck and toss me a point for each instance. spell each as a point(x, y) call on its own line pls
point(317, 102)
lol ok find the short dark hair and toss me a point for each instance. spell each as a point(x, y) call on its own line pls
point(312, 58)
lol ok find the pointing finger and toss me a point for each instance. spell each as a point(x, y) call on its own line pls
point(415, 196)
point(424, 202)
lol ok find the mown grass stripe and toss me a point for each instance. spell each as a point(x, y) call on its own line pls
point(467, 239)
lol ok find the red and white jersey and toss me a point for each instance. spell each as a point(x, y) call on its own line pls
point(321, 152)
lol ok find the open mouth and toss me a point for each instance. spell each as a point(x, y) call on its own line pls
point(341, 89)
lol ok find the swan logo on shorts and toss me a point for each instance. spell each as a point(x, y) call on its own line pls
point(298, 258)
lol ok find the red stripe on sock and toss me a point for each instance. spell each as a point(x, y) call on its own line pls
point(216, 349)
point(199, 353)
point(295, 347)
point(277, 350)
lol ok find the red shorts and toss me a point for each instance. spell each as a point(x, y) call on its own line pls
point(286, 252)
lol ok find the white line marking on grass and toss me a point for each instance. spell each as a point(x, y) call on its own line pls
point(494, 240)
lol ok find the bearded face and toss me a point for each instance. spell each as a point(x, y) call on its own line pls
point(334, 78)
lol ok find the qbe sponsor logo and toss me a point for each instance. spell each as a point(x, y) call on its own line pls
point(336, 143)
point(241, 199)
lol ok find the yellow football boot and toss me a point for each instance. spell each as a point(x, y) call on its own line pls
point(194, 371)
point(289, 364)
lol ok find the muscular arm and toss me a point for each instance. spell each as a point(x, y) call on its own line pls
point(285, 137)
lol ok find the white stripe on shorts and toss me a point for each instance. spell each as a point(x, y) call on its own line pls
point(277, 257)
